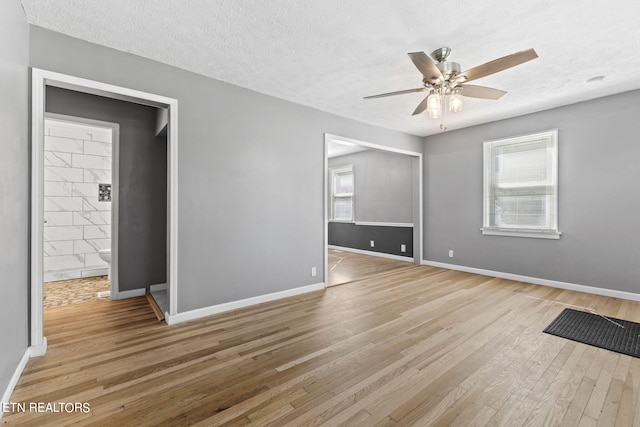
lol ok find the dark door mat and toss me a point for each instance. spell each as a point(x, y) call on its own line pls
point(609, 333)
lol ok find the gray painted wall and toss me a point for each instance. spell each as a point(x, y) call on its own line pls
point(383, 185)
point(599, 198)
point(387, 240)
point(142, 212)
point(251, 171)
point(14, 188)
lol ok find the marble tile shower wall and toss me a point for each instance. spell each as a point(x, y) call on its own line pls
point(77, 158)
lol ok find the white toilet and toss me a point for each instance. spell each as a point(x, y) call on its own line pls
point(105, 254)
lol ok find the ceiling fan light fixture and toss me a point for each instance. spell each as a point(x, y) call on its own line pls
point(434, 105)
point(434, 101)
point(435, 113)
point(455, 102)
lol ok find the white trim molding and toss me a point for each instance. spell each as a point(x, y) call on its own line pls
point(234, 305)
point(6, 396)
point(157, 288)
point(130, 294)
point(28, 354)
point(372, 253)
point(538, 281)
point(40, 79)
point(385, 224)
point(371, 146)
point(539, 234)
point(38, 350)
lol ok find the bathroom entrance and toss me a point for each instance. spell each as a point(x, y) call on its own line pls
point(80, 209)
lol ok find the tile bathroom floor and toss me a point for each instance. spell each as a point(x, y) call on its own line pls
point(73, 291)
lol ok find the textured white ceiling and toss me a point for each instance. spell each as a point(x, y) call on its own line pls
point(328, 54)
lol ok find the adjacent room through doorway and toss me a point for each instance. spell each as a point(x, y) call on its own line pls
point(372, 209)
point(77, 209)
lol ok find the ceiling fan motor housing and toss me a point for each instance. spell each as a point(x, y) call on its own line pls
point(448, 69)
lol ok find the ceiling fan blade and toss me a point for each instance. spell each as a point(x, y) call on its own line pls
point(426, 66)
point(421, 107)
point(483, 92)
point(497, 65)
point(400, 92)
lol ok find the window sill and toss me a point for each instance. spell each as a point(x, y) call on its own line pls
point(536, 234)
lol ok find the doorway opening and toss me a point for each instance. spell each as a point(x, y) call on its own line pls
point(80, 209)
point(366, 233)
point(41, 79)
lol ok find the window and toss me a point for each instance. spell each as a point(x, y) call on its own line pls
point(342, 194)
point(521, 186)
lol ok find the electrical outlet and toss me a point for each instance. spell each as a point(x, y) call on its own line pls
point(403, 248)
point(450, 253)
point(313, 272)
point(372, 244)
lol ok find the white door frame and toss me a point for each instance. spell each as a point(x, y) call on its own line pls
point(417, 194)
point(40, 79)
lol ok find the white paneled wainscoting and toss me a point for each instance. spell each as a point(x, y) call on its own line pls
point(77, 206)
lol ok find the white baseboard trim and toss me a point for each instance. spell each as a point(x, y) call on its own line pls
point(33, 351)
point(131, 294)
point(372, 253)
point(6, 396)
point(538, 281)
point(158, 287)
point(234, 305)
point(38, 350)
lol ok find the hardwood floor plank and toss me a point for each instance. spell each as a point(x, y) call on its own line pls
point(625, 411)
point(587, 421)
point(579, 402)
point(633, 379)
point(611, 404)
point(599, 394)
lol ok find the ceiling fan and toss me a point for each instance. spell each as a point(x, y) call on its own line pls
point(443, 79)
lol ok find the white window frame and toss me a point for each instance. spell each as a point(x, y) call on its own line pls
point(548, 232)
point(332, 173)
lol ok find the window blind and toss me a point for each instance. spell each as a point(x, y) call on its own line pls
point(521, 183)
point(342, 189)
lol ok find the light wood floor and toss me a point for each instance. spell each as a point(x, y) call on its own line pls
point(419, 346)
point(345, 267)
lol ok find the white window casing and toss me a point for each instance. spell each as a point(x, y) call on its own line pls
point(520, 189)
point(342, 193)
